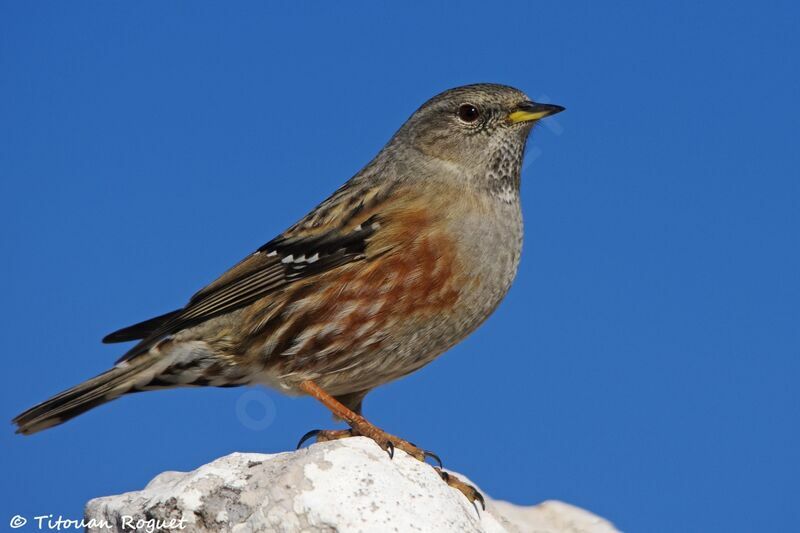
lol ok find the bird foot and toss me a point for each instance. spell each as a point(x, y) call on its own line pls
point(359, 426)
point(389, 443)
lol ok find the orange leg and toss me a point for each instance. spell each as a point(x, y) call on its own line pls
point(360, 426)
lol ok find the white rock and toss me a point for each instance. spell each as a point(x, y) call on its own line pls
point(349, 485)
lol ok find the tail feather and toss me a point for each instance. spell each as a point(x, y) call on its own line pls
point(101, 389)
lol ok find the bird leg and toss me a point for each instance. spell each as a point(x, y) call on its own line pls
point(360, 426)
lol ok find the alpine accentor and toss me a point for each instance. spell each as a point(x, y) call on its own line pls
point(402, 262)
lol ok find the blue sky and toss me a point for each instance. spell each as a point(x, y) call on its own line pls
point(644, 364)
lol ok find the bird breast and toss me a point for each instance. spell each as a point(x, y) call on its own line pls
point(432, 274)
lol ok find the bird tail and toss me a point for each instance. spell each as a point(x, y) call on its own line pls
point(131, 376)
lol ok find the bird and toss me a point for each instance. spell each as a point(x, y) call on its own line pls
point(398, 265)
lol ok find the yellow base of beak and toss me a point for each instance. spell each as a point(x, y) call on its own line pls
point(526, 116)
point(530, 111)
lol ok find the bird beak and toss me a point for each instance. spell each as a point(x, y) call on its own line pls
point(530, 111)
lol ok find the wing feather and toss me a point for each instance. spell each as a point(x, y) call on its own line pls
point(275, 265)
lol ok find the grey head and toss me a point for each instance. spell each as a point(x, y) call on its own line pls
point(480, 131)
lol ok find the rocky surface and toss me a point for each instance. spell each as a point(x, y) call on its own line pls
point(347, 486)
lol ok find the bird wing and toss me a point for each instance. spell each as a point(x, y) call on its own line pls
point(293, 256)
point(140, 330)
point(333, 234)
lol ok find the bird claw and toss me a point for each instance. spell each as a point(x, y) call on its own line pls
point(466, 489)
point(426, 454)
point(304, 438)
point(479, 497)
point(324, 435)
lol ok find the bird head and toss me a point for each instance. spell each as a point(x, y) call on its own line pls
point(479, 129)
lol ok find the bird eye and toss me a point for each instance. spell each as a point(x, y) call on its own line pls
point(468, 112)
